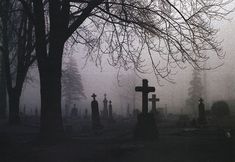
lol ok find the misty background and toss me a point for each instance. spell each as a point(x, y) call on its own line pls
point(219, 82)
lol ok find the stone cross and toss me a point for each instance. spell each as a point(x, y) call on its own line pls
point(110, 110)
point(154, 100)
point(93, 96)
point(105, 110)
point(95, 116)
point(145, 89)
point(202, 115)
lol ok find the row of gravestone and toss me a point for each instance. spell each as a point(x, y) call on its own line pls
point(107, 112)
point(146, 127)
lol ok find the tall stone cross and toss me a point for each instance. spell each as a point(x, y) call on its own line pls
point(105, 110)
point(105, 100)
point(93, 96)
point(154, 100)
point(145, 89)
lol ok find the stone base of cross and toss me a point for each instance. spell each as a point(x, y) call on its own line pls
point(146, 128)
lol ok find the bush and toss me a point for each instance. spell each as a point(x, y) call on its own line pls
point(220, 109)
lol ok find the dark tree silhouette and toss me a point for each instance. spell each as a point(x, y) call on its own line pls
point(17, 48)
point(3, 94)
point(220, 109)
point(171, 31)
point(194, 91)
point(72, 86)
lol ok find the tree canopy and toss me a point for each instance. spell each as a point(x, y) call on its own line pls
point(172, 32)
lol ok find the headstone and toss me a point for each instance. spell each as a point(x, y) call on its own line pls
point(201, 113)
point(154, 100)
point(105, 110)
point(145, 89)
point(154, 107)
point(110, 111)
point(146, 128)
point(95, 116)
point(74, 112)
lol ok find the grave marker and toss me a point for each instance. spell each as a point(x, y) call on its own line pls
point(145, 89)
point(95, 116)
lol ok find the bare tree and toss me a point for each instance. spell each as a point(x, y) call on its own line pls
point(172, 32)
point(3, 94)
point(17, 48)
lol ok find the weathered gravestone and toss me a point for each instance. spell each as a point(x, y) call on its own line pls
point(201, 113)
point(146, 128)
point(154, 107)
point(110, 111)
point(154, 100)
point(95, 116)
point(105, 110)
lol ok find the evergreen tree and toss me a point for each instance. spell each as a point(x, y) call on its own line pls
point(72, 87)
point(194, 91)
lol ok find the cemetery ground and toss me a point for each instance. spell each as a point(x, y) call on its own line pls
point(115, 144)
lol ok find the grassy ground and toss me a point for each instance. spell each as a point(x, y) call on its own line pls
point(115, 144)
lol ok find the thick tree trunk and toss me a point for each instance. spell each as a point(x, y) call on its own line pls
point(14, 102)
point(3, 93)
point(50, 78)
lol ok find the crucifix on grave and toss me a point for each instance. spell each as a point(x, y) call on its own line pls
point(154, 100)
point(93, 96)
point(145, 89)
point(95, 116)
point(105, 110)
